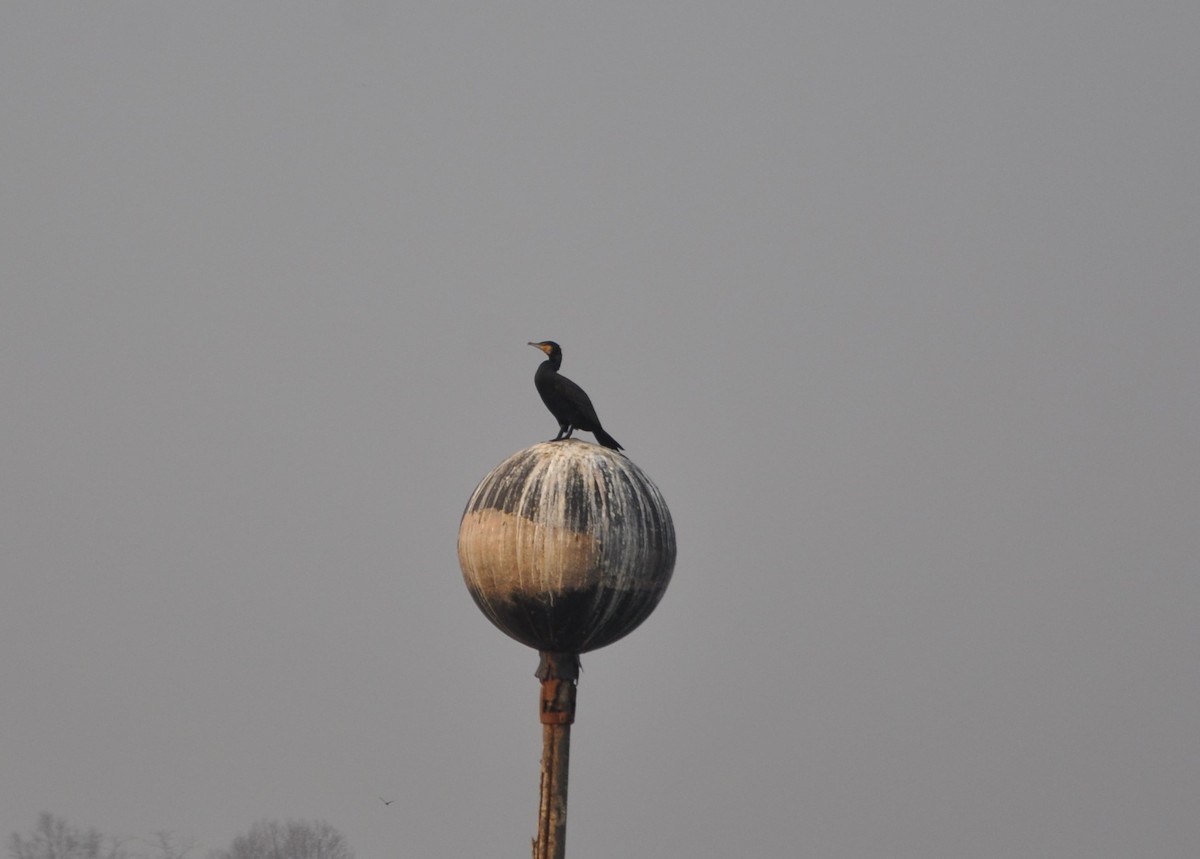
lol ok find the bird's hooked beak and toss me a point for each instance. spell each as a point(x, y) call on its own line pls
point(545, 347)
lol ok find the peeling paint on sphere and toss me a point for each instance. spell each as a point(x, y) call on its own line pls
point(566, 546)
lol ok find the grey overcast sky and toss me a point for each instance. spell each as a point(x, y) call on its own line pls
point(898, 303)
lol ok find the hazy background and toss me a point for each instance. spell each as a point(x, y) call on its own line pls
point(897, 303)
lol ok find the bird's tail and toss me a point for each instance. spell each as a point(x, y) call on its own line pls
point(606, 439)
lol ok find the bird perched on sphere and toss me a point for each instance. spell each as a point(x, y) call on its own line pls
point(566, 400)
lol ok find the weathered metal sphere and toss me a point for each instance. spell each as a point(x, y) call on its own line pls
point(566, 546)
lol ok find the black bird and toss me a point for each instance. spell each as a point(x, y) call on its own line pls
point(386, 801)
point(566, 400)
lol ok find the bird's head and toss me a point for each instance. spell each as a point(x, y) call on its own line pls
point(549, 347)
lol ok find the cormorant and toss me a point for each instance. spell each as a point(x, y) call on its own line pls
point(566, 400)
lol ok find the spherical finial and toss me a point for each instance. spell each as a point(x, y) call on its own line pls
point(566, 546)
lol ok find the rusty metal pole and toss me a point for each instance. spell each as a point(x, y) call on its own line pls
point(559, 673)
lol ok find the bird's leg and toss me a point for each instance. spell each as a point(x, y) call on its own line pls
point(563, 432)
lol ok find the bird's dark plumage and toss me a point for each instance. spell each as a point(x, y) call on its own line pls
point(566, 400)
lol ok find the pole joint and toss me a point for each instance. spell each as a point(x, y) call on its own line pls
point(559, 672)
